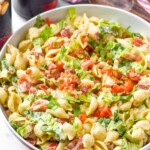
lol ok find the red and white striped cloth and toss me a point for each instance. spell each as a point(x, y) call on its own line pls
point(145, 4)
point(75, 1)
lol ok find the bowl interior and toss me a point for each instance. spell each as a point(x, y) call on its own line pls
point(125, 18)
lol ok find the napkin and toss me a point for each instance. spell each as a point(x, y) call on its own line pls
point(75, 1)
point(145, 4)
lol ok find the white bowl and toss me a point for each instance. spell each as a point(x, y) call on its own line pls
point(127, 19)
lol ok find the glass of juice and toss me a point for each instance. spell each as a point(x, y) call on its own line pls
point(5, 21)
point(31, 8)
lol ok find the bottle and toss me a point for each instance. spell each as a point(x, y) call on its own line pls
point(31, 8)
point(5, 21)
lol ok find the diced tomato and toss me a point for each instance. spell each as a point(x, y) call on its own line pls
point(82, 117)
point(118, 89)
point(53, 146)
point(88, 64)
point(137, 41)
point(68, 85)
point(52, 67)
point(33, 90)
point(65, 33)
point(60, 65)
point(76, 144)
point(48, 21)
point(28, 71)
point(24, 84)
point(129, 86)
point(104, 112)
point(43, 87)
point(107, 71)
point(85, 39)
point(40, 105)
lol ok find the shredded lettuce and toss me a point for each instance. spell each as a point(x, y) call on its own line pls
point(46, 33)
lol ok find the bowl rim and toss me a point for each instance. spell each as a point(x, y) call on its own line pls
point(21, 139)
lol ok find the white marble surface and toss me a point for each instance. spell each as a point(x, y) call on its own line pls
point(7, 140)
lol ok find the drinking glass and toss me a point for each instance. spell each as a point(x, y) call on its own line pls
point(31, 8)
point(5, 21)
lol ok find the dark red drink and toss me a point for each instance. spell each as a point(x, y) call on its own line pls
point(5, 21)
point(31, 8)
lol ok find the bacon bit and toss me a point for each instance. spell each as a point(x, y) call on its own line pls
point(78, 52)
point(33, 91)
point(53, 146)
point(75, 144)
point(84, 89)
point(31, 141)
point(65, 33)
point(52, 67)
point(135, 77)
point(88, 64)
point(133, 57)
point(24, 84)
point(39, 106)
point(46, 73)
point(62, 121)
point(56, 74)
point(143, 86)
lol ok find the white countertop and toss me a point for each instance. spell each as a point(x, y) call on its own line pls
point(7, 140)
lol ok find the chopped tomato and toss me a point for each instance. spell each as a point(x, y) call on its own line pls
point(48, 21)
point(82, 117)
point(52, 67)
point(60, 65)
point(28, 71)
point(137, 41)
point(129, 86)
point(40, 105)
point(65, 33)
point(104, 112)
point(43, 87)
point(53, 146)
point(68, 85)
point(107, 71)
point(118, 89)
point(75, 144)
point(88, 64)
point(24, 84)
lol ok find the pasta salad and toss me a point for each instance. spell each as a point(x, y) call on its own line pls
point(82, 83)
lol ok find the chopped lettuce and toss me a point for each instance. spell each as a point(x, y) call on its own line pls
point(46, 33)
point(39, 22)
point(63, 52)
point(71, 98)
point(76, 110)
point(126, 145)
point(71, 16)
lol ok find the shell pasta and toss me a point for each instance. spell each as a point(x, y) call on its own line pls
point(82, 83)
